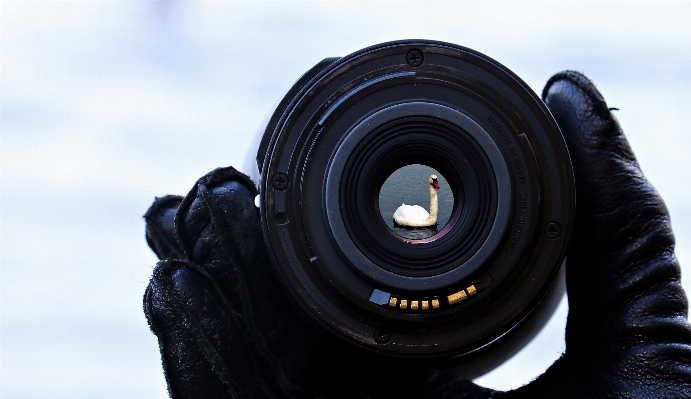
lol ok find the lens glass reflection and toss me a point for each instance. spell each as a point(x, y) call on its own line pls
point(408, 198)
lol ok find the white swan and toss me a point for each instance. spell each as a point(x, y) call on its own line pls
point(417, 216)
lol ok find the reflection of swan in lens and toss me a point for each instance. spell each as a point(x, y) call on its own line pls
point(417, 216)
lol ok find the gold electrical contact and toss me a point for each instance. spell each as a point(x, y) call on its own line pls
point(457, 297)
point(393, 301)
point(414, 304)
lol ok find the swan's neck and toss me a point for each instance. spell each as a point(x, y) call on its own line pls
point(433, 205)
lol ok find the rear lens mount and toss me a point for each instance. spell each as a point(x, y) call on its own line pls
point(345, 127)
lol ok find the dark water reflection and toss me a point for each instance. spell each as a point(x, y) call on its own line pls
point(415, 233)
point(410, 185)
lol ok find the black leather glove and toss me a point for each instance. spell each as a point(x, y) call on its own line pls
point(225, 327)
point(226, 330)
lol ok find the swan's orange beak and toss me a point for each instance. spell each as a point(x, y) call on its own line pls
point(435, 184)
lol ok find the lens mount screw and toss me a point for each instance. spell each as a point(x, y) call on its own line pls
point(414, 58)
point(552, 230)
point(280, 181)
point(382, 335)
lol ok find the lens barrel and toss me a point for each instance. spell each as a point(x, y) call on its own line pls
point(345, 127)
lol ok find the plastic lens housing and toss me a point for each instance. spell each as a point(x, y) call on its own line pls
point(348, 124)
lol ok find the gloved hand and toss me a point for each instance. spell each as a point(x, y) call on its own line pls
point(226, 329)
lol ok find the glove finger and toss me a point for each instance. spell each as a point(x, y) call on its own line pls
point(626, 329)
point(160, 229)
point(198, 335)
point(218, 222)
point(623, 246)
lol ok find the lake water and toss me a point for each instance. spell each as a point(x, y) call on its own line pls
point(410, 185)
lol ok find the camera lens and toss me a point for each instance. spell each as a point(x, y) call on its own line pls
point(416, 198)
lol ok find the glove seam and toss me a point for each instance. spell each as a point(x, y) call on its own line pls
point(254, 334)
point(238, 321)
point(157, 332)
point(161, 274)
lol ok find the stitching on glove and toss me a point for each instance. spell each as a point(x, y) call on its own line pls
point(162, 275)
point(231, 249)
point(238, 320)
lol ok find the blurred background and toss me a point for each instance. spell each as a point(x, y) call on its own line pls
point(105, 105)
